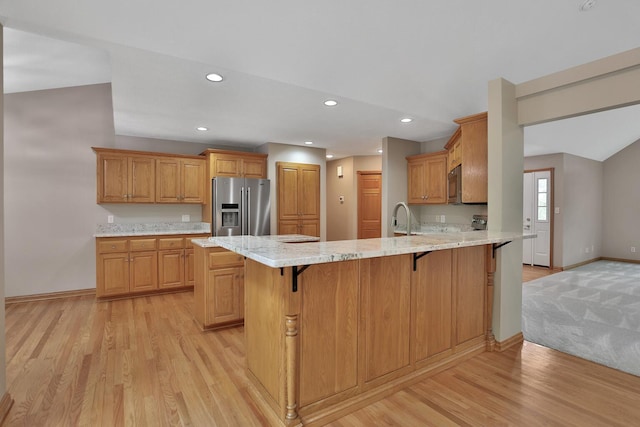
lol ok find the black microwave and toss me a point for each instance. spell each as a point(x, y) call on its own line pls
point(455, 186)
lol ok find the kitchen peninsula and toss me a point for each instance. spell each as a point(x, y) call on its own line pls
point(333, 326)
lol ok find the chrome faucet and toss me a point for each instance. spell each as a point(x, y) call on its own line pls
point(394, 219)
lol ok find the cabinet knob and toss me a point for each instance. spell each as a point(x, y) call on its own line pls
point(113, 246)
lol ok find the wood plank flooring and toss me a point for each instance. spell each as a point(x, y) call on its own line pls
point(144, 362)
point(530, 272)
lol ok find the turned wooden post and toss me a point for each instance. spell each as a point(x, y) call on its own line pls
point(291, 348)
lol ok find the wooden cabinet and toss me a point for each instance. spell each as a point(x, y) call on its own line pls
point(298, 187)
point(468, 147)
point(125, 266)
point(470, 282)
point(233, 164)
point(219, 287)
point(180, 180)
point(427, 178)
point(125, 179)
point(137, 265)
point(125, 176)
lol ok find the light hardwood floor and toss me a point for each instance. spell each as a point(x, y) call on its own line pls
point(530, 273)
point(144, 362)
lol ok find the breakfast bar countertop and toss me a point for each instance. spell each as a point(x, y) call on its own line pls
point(272, 252)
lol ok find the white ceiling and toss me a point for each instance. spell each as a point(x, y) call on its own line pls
point(381, 60)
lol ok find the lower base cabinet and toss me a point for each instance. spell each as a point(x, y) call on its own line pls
point(218, 287)
point(139, 265)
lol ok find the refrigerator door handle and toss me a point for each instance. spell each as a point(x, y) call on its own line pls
point(243, 212)
point(249, 210)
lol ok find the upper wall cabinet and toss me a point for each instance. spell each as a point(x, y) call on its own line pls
point(125, 176)
point(427, 178)
point(233, 164)
point(180, 180)
point(468, 148)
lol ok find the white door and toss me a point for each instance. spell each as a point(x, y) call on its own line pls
point(537, 218)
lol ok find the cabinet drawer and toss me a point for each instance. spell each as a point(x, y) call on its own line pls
point(107, 246)
point(170, 243)
point(224, 259)
point(142, 244)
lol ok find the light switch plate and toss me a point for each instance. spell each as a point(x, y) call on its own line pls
point(110, 219)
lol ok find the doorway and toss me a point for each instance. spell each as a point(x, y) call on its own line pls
point(537, 217)
point(369, 204)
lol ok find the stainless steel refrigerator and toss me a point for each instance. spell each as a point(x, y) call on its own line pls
point(241, 206)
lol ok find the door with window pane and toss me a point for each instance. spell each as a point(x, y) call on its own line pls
point(537, 217)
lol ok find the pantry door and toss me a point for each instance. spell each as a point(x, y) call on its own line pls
point(538, 217)
point(369, 204)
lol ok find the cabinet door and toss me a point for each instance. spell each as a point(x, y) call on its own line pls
point(168, 180)
point(254, 168)
point(470, 281)
point(436, 180)
point(192, 181)
point(189, 273)
point(144, 271)
point(227, 165)
point(309, 227)
point(416, 176)
point(112, 178)
point(223, 295)
point(475, 158)
point(112, 274)
point(288, 193)
point(171, 268)
point(433, 305)
point(142, 180)
point(288, 227)
point(385, 321)
point(309, 192)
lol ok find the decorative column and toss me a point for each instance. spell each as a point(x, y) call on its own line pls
point(291, 348)
point(491, 268)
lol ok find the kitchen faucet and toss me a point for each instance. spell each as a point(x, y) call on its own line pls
point(394, 220)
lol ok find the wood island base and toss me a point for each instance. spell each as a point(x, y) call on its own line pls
point(326, 339)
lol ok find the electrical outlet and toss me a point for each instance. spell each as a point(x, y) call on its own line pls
point(442, 218)
point(586, 250)
point(110, 219)
point(633, 249)
point(186, 218)
point(557, 210)
point(437, 218)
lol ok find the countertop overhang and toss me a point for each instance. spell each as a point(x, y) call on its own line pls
point(272, 251)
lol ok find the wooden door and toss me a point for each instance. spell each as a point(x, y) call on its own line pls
point(142, 180)
point(416, 173)
point(287, 187)
point(189, 267)
point(369, 204)
point(112, 178)
point(144, 271)
point(385, 316)
point(470, 282)
point(433, 305)
point(171, 268)
point(254, 168)
point(309, 227)
point(309, 191)
point(223, 295)
point(192, 181)
point(112, 273)
point(436, 180)
point(168, 180)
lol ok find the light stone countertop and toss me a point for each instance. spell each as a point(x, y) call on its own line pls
point(150, 229)
point(274, 253)
point(277, 238)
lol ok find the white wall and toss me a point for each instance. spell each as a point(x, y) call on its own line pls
point(3, 370)
point(50, 187)
point(621, 204)
point(394, 177)
point(295, 154)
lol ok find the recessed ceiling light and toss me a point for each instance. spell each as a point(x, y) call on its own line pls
point(406, 120)
point(213, 77)
point(308, 142)
point(330, 103)
point(329, 156)
point(380, 150)
point(586, 5)
point(202, 128)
